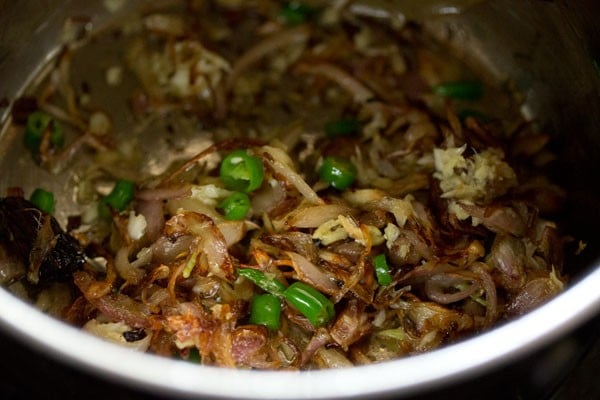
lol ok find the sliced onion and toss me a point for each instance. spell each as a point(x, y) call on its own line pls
point(350, 325)
point(276, 159)
point(117, 306)
point(319, 339)
point(274, 42)
point(124, 268)
point(165, 250)
point(359, 92)
point(535, 293)
point(299, 242)
point(310, 273)
point(507, 256)
point(436, 288)
point(506, 220)
point(489, 287)
point(249, 347)
point(331, 358)
point(312, 216)
point(268, 197)
point(152, 210)
point(233, 231)
point(212, 242)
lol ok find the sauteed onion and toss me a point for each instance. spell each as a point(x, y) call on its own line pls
point(358, 197)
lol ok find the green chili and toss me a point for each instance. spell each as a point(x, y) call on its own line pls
point(265, 309)
point(461, 90)
point(235, 206)
point(37, 123)
point(342, 127)
point(43, 199)
point(296, 13)
point(194, 356)
point(382, 270)
point(338, 172)
point(242, 172)
point(264, 282)
point(118, 199)
point(313, 304)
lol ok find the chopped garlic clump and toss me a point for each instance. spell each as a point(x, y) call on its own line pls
point(136, 225)
point(197, 70)
point(390, 233)
point(209, 194)
point(478, 178)
point(187, 70)
point(330, 232)
point(344, 227)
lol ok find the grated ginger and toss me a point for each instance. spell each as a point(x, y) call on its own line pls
point(475, 179)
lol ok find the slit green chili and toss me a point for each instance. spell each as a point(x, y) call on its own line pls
point(235, 206)
point(314, 305)
point(43, 199)
point(311, 303)
point(460, 90)
point(118, 199)
point(37, 123)
point(265, 310)
point(264, 282)
point(342, 127)
point(241, 172)
point(339, 172)
point(295, 13)
point(382, 270)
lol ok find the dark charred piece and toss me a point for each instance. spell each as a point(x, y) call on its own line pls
point(37, 240)
point(134, 335)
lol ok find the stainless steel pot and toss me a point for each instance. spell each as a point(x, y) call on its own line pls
point(545, 49)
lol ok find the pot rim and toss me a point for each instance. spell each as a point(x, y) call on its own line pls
point(452, 363)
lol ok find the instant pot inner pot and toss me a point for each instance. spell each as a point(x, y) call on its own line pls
point(542, 49)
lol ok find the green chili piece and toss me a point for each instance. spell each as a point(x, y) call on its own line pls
point(265, 310)
point(194, 356)
point(338, 172)
point(37, 123)
point(43, 199)
point(313, 304)
point(236, 206)
point(296, 13)
point(118, 199)
point(264, 282)
point(342, 127)
point(242, 172)
point(382, 270)
point(460, 90)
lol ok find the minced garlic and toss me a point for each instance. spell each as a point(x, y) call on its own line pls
point(475, 179)
point(344, 227)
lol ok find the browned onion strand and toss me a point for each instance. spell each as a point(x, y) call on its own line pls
point(445, 289)
point(263, 48)
point(458, 207)
point(359, 92)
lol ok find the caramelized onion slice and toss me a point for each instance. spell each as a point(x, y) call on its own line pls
point(310, 273)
